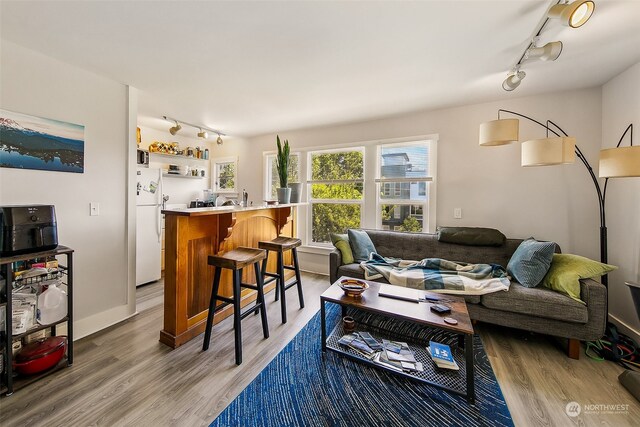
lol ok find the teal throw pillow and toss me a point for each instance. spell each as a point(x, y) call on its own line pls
point(361, 245)
point(341, 242)
point(531, 261)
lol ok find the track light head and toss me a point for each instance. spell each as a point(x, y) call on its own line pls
point(219, 140)
point(174, 129)
point(203, 134)
point(513, 80)
point(549, 52)
point(574, 14)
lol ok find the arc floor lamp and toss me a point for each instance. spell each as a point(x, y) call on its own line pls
point(562, 149)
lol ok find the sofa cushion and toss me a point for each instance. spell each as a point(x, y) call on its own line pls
point(361, 244)
point(531, 261)
point(539, 302)
point(471, 236)
point(355, 271)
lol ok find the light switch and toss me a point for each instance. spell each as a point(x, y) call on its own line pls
point(94, 208)
point(457, 213)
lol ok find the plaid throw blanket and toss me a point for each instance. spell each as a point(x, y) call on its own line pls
point(438, 275)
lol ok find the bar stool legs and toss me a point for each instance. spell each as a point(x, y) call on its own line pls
point(279, 246)
point(237, 329)
point(294, 254)
point(236, 263)
point(263, 306)
point(212, 307)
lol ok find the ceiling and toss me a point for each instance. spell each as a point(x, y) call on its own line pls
point(250, 68)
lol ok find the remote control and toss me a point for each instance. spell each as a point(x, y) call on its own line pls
point(440, 309)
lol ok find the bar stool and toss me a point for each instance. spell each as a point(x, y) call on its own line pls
point(280, 245)
point(236, 260)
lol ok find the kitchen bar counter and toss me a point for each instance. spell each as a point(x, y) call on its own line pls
point(191, 235)
point(223, 209)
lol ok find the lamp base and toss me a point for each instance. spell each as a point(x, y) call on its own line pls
point(631, 381)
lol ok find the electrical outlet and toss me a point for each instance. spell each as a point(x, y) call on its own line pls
point(457, 213)
point(94, 208)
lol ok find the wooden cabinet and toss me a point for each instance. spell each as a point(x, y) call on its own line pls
point(194, 234)
point(10, 382)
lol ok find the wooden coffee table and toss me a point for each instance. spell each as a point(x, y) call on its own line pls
point(460, 382)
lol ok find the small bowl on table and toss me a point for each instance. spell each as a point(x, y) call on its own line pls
point(353, 287)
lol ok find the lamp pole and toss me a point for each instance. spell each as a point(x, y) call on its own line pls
point(600, 193)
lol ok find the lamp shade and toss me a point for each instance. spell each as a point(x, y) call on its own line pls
point(499, 132)
point(549, 151)
point(620, 162)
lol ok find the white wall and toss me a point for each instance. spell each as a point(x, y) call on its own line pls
point(555, 202)
point(35, 84)
point(621, 106)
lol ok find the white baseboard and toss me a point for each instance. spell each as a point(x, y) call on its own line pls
point(314, 272)
point(625, 328)
point(92, 324)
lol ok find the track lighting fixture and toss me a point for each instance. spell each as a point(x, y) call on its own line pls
point(203, 134)
point(574, 14)
point(202, 129)
point(174, 129)
point(513, 80)
point(549, 52)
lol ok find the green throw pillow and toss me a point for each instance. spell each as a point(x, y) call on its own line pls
point(341, 242)
point(566, 271)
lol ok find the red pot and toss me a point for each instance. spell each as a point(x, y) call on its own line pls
point(40, 355)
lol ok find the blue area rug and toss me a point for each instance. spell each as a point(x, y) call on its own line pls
point(301, 387)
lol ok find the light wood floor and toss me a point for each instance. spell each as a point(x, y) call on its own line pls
point(124, 376)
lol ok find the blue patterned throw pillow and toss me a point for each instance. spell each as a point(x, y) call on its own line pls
point(531, 261)
point(361, 245)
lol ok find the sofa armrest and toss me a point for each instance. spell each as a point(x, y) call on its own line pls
point(335, 261)
point(594, 294)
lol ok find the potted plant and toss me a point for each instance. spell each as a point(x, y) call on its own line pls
point(282, 166)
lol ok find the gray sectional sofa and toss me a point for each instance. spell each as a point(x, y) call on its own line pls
point(533, 309)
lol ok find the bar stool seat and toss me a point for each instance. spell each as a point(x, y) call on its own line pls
point(279, 245)
point(236, 260)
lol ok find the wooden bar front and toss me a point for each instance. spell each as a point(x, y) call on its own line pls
point(191, 235)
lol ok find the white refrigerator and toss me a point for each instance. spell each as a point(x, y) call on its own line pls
point(148, 225)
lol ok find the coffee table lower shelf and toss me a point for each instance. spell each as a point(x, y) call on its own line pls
point(459, 382)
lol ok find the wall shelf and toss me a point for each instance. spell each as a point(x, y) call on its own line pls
point(172, 175)
point(162, 157)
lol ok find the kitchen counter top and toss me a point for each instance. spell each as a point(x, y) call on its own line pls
point(225, 209)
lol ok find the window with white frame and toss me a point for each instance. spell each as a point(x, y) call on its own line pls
point(403, 178)
point(272, 181)
point(336, 192)
point(225, 172)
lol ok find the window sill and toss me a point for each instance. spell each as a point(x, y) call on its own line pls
point(316, 250)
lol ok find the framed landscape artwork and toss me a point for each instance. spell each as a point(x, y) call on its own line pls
point(30, 142)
